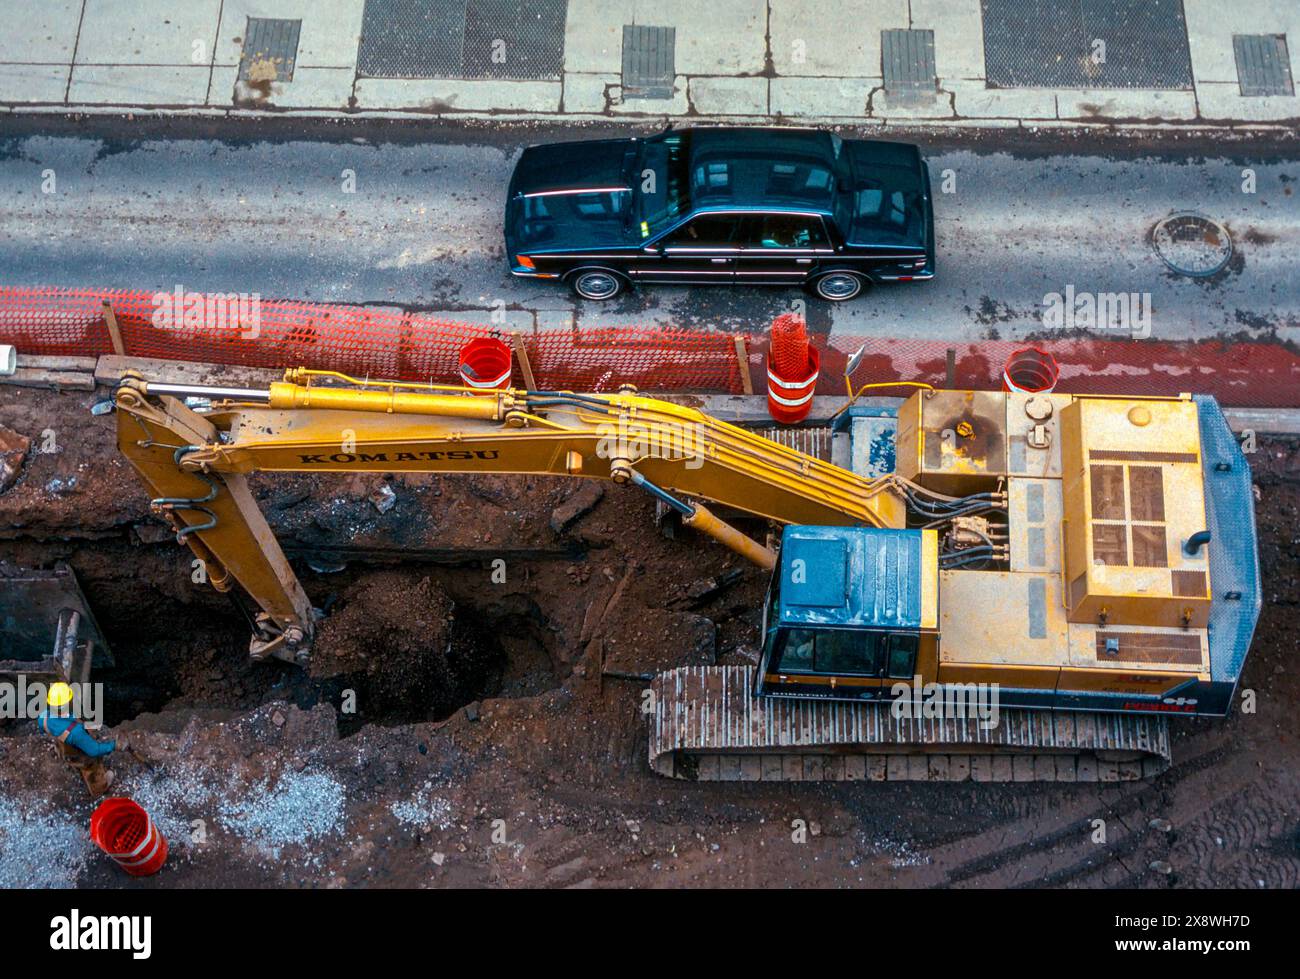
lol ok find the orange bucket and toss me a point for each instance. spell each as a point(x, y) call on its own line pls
point(125, 832)
point(1030, 371)
point(485, 364)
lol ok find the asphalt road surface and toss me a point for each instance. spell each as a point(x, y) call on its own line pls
point(213, 207)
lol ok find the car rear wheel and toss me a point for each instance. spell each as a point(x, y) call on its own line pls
point(598, 284)
point(838, 287)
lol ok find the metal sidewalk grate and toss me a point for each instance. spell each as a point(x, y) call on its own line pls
point(648, 61)
point(1086, 44)
point(1263, 64)
point(907, 61)
point(506, 39)
point(270, 50)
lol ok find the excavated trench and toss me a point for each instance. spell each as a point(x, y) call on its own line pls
point(401, 643)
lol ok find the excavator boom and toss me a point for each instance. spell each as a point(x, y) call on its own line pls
point(194, 460)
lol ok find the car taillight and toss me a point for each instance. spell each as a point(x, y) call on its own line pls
point(525, 262)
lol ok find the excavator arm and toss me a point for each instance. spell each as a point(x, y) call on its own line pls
point(194, 461)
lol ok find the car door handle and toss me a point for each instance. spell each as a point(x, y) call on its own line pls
point(803, 261)
point(719, 261)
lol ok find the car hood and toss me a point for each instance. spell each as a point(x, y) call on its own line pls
point(571, 196)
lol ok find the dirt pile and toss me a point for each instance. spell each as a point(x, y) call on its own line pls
point(401, 643)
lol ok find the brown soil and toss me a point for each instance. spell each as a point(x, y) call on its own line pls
point(485, 747)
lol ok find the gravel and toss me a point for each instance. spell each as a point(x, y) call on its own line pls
point(40, 847)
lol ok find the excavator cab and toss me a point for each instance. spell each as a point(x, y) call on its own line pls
point(850, 612)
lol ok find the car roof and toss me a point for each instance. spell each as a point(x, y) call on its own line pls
point(762, 168)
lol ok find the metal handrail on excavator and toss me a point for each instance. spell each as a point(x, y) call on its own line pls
point(327, 421)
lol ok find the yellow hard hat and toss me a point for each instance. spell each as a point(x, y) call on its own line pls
point(60, 694)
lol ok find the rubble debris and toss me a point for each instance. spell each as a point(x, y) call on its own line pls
point(576, 505)
point(702, 590)
point(13, 450)
point(383, 498)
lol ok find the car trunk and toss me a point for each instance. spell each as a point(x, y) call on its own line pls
point(886, 201)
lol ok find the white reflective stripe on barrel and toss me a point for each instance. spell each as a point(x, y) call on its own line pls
point(1015, 388)
point(487, 384)
point(790, 402)
point(129, 859)
point(791, 385)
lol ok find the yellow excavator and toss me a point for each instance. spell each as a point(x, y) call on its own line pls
point(975, 585)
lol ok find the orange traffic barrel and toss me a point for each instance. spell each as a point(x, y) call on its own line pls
point(790, 401)
point(1030, 371)
point(485, 363)
point(792, 369)
point(123, 830)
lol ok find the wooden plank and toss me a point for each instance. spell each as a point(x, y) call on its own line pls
point(525, 365)
point(1044, 768)
point(729, 768)
point(1066, 768)
point(51, 363)
point(918, 768)
point(958, 768)
point(876, 767)
point(30, 377)
point(751, 768)
point(114, 334)
point(1022, 768)
point(895, 767)
point(981, 768)
point(742, 355)
point(1087, 768)
point(855, 768)
point(771, 768)
point(938, 766)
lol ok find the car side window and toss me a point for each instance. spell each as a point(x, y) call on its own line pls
point(705, 231)
point(784, 231)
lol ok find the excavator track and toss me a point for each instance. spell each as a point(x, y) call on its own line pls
point(707, 726)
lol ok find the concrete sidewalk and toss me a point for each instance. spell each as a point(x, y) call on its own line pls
point(951, 62)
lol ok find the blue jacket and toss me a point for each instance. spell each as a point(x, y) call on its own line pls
point(54, 725)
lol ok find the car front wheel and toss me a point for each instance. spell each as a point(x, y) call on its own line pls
point(838, 287)
point(597, 284)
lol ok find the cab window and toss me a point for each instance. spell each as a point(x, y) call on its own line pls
point(832, 651)
point(902, 656)
point(849, 651)
point(843, 651)
point(784, 231)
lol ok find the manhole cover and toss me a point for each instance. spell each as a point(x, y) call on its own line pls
point(1192, 244)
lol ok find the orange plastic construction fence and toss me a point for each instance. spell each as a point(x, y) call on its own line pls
point(382, 342)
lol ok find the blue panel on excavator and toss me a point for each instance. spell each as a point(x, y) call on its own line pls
point(1234, 547)
point(859, 577)
point(872, 432)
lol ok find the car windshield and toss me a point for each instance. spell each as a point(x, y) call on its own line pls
point(662, 185)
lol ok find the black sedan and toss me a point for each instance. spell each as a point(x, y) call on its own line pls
point(722, 206)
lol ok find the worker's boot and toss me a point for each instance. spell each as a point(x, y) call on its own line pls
point(98, 777)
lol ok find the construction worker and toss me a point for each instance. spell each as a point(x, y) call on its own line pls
point(74, 743)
